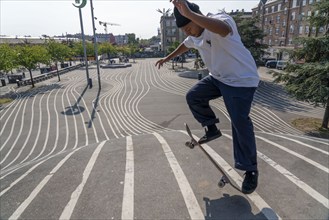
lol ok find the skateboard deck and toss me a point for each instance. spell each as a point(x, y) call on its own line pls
point(225, 178)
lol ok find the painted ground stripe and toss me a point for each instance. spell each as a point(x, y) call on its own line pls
point(187, 192)
point(68, 210)
point(301, 143)
point(37, 189)
point(128, 190)
point(309, 190)
point(254, 197)
point(294, 179)
point(317, 165)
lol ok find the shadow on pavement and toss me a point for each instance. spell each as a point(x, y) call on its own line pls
point(75, 109)
point(92, 117)
point(231, 207)
point(274, 96)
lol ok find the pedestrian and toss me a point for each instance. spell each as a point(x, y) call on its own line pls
point(232, 75)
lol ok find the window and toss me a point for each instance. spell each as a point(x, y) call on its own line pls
point(309, 13)
point(307, 29)
point(290, 41)
point(304, 2)
point(292, 28)
point(294, 3)
point(277, 30)
point(270, 42)
point(283, 23)
point(270, 31)
point(313, 30)
point(321, 29)
point(279, 7)
point(273, 8)
point(285, 10)
point(301, 29)
point(293, 16)
point(310, 2)
point(283, 34)
point(277, 18)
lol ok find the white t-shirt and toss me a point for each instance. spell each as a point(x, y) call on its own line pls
point(227, 58)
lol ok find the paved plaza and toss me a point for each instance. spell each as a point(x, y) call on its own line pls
point(68, 151)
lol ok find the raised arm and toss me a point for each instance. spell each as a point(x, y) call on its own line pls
point(211, 24)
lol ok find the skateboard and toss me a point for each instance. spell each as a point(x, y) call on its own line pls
point(225, 178)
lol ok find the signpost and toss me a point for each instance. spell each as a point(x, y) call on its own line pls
point(83, 4)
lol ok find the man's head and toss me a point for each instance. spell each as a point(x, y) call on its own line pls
point(189, 27)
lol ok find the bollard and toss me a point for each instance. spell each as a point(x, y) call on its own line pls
point(90, 83)
point(199, 76)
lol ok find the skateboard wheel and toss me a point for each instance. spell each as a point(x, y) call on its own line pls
point(187, 144)
point(224, 179)
point(221, 183)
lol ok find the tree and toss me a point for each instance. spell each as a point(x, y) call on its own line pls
point(251, 35)
point(28, 56)
point(310, 81)
point(58, 53)
point(7, 58)
point(107, 48)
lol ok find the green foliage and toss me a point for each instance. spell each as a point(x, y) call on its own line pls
point(58, 52)
point(173, 46)
point(7, 58)
point(29, 56)
point(78, 49)
point(107, 48)
point(315, 49)
point(308, 82)
point(320, 15)
point(251, 35)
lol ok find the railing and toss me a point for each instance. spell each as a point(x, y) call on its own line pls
point(46, 76)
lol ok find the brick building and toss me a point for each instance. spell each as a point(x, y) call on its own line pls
point(284, 20)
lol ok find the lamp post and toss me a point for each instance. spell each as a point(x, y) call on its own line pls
point(95, 43)
point(83, 4)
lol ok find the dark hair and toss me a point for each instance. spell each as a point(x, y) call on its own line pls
point(181, 21)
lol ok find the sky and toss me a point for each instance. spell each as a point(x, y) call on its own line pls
point(58, 17)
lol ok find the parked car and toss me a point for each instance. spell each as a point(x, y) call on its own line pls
point(264, 60)
point(281, 64)
point(271, 64)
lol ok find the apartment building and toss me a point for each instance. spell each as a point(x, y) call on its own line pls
point(169, 33)
point(283, 21)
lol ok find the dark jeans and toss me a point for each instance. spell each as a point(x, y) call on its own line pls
point(238, 103)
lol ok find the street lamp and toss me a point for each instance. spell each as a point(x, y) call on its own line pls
point(95, 42)
point(83, 4)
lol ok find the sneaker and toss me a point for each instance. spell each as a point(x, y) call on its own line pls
point(209, 136)
point(250, 182)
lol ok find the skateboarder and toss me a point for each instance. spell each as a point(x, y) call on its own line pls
point(232, 75)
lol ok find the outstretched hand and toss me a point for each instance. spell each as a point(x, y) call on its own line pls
point(182, 7)
point(160, 63)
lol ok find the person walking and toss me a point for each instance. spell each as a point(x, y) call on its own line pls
point(232, 75)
